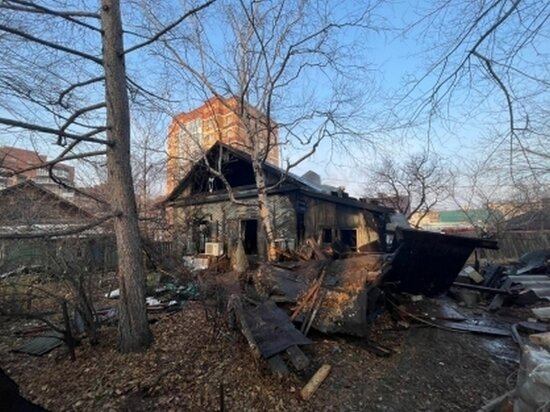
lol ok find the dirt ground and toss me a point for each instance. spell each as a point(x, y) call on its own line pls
point(198, 364)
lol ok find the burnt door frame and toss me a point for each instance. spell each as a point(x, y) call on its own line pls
point(249, 236)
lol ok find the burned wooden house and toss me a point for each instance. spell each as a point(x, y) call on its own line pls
point(207, 221)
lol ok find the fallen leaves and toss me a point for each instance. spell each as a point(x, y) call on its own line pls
point(195, 360)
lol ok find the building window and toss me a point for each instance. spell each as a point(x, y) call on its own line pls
point(190, 138)
point(61, 173)
point(327, 235)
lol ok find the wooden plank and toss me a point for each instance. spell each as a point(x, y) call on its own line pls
point(315, 310)
point(377, 349)
point(534, 327)
point(298, 358)
point(314, 383)
point(317, 252)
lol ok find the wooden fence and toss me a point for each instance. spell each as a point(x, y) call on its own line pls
point(512, 245)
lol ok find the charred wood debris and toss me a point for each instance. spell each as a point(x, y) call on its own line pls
point(423, 280)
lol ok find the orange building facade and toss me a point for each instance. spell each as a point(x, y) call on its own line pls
point(193, 133)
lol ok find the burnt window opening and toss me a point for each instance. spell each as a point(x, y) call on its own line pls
point(349, 238)
point(327, 235)
point(237, 172)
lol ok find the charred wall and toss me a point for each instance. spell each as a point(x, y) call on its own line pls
point(224, 223)
point(323, 217)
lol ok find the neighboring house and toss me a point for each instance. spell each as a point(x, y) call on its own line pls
point(301, 208)
point(29, 209)
point(17, 165)
point(191, 134)
point(30, 205)
point(466, 222)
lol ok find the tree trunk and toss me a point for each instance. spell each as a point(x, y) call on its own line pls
point(134, 332)
point(265, 212)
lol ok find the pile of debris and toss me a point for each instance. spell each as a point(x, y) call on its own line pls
point(311, 289)
point(334, 291)
point(165, 293)
point(524, 283)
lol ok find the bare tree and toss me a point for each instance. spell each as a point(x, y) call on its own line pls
point(413, 187)
point(149, 170)
point(64, 76)
point(489, 67)
point(286, 68)
point(482, 186)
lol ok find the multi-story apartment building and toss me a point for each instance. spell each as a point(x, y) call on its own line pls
point(17, 165)
point(192, 133)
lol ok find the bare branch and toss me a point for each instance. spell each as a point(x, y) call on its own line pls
point(75, 116)
point(170, 27)
point(77, 85)
point(65, 13)
point(50, 44)
point(31, 7)
point(48, 130)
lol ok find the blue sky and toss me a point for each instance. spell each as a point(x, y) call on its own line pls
point(466, 131)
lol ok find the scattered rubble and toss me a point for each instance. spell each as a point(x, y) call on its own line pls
point(283, 308)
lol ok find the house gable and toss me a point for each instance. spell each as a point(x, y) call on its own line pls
point(236, 167)
point(28, 203)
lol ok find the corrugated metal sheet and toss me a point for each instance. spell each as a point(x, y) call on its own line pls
point(538, 284)
point(42, 344)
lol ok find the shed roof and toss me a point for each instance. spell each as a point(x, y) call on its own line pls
point(29, 185)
